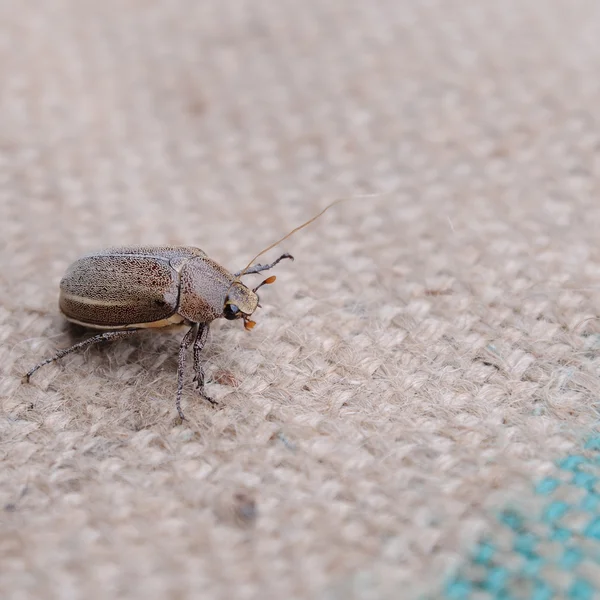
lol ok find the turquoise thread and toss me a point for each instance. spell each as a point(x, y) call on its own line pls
point(593, 443)
point(532, 567)
point(559, 534)
point(496, 579)
point(542, 591)
point(593, 529)
point(585, 480)
point(571, 463)
point(525, 544)
point(581, 590)
point(591, 503)
point(547, 486)
point(484, 553)
point(570, 558)
point(511, 518)
point(459, 589)
point(555, 511)
point(504, 569)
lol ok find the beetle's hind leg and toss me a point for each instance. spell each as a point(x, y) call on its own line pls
point(102, 337)
point(198, 346)
point(259, 268)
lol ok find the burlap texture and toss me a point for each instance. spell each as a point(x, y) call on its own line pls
point(427, 356)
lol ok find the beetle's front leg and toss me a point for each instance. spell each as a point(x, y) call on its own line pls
point(260, 268)
point(185, 344)
point(198, 346)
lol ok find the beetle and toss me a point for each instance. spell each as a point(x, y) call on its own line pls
point(123, 290)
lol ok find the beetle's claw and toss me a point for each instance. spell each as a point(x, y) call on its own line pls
point(207, 397)
point(210, 400)
point(27, 377)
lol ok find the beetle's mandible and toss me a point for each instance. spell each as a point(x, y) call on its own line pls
point(124, 290)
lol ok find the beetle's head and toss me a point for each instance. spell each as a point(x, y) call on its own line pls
point(241, 302)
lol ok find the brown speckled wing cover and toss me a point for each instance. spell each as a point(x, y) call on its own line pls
point(117, 290)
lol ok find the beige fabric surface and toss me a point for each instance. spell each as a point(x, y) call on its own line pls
point(429, 353)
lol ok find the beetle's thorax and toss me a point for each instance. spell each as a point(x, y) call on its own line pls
point(205, 286)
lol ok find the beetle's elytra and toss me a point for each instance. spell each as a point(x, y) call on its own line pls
point(124, 290)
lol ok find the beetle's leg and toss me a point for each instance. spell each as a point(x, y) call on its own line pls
point(102, 337)
point(185, 344)
point(259, 268)
point(198, 345)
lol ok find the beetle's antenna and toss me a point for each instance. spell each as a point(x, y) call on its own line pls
point(305, 224)
point(267, 281)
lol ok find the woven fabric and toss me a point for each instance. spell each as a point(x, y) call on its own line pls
point(552, 551)
point(419, 368)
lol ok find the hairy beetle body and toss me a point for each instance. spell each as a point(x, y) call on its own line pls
point(125, 289)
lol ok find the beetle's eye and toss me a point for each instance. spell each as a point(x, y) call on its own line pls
point(231, 311)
